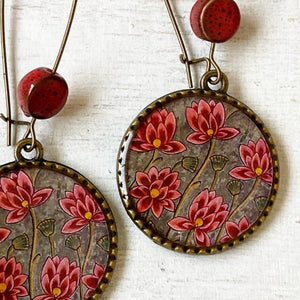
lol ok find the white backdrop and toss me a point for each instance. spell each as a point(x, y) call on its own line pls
point(121, 56)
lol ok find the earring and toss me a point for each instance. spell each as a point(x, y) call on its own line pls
point(57, 233)
point(197, 169)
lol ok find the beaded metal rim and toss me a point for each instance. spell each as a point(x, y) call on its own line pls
point(128, 202)
point(67, 171)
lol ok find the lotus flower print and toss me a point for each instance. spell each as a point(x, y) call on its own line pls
point(59, 279)
point(156, 190)
point(18, 196)
point(82, 207)
point(206, 213)
point(93, 280)
point(157, 132)
point(4, 233)
point(257, 162)
point(233, 229)
point(11, 280)
point(207, 120)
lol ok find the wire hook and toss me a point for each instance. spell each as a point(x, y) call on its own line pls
point(30, 125)
point(210, 61)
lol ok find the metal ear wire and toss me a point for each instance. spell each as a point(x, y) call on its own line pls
point(184, 56)
point(5, 76)
point(30, 125)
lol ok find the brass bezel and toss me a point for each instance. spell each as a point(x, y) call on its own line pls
point(127, 201)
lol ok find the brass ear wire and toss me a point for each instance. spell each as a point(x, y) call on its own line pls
point(5, 76)
point(184, 56)
point(30, 125)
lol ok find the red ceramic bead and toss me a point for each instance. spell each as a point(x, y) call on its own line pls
point(42, 94)
point(215, 21)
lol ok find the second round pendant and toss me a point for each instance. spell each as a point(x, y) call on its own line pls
point(58, 235)
point(197, 171)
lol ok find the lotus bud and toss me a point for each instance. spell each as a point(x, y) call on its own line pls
point(218, 162)
point(47, 227)
point(234, 187)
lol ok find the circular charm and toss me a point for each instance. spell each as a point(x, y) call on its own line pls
point(58, 236)
point(197, 171)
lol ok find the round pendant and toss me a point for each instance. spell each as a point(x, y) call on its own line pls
point(58, 237)
point(197, 171)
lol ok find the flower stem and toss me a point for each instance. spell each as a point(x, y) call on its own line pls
point(51, 241)
point(189, 237)
point(79, 255)
point(216, 177)
point(245, 201)
point(33, 253)
point(177, 166)
point(190, 186)
point(233, 204)
point(152, 161)
point(10, 251)
point(89, 250)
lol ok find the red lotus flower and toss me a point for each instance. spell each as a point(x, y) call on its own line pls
point(156, 190)
point(233, 229)
point(206, 214)
point(93, 280)
point(59, 279)
point(18, 195)
point(11, 279)
point(157, 132)
point(257, 161)
point(4, 233)
point(207, 120)
point(82, 207)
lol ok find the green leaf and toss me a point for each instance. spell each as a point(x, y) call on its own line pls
point(47, 227)
point(261, 203)
point(190, 164)
point(218, 162)
point(234, 187)
point(21, 242)
point(73, 241)
point(104, 243)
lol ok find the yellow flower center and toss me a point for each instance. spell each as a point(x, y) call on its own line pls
point(156, 143)
point(199, 222)
point(25, 203)
point(258, 171)
point(3, 287)
point(154, 193)
point(210, 131)
point(56, 292)
point(88, 215)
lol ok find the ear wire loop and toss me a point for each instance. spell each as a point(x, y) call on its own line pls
point(184, 56)
point(30, 125)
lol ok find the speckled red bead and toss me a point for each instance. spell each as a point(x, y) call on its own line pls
point(215, 21)
point(42, 94)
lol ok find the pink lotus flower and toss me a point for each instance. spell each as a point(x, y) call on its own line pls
point(4, 233)
point(93, 280)
point(207, 120)
point(18, 195)
point(157, 132)
point(82, 207)
point(257, 161)
point(156, 190)
point(11, 279)
point(206, 214)
point(233, 229)
point(59, 279)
